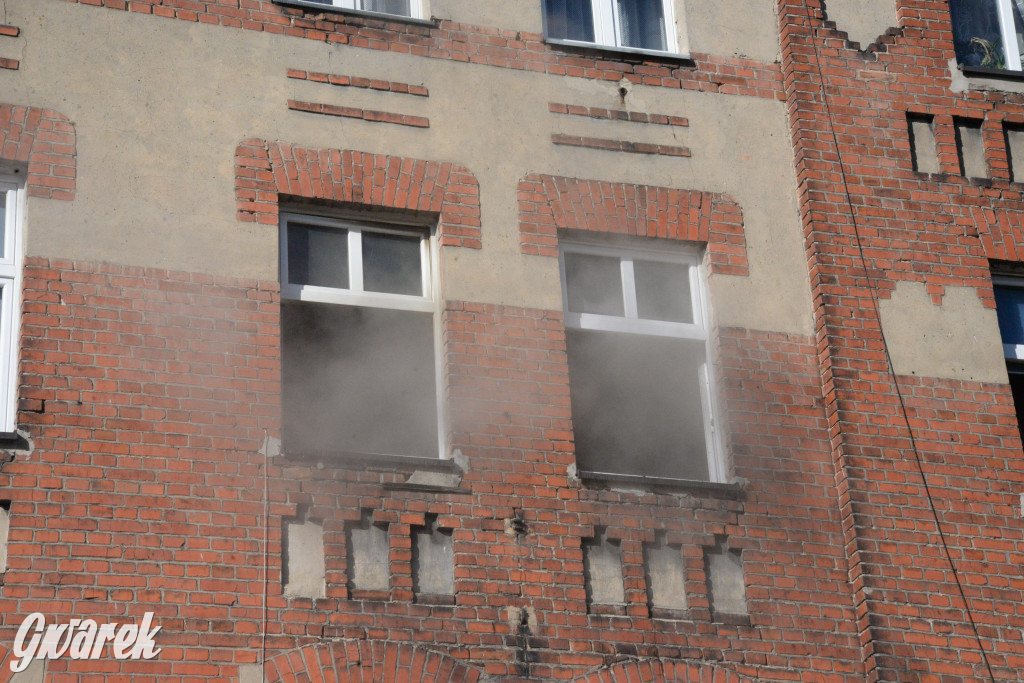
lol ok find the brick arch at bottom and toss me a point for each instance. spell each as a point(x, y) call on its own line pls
point(358, 661)
point(657, 671)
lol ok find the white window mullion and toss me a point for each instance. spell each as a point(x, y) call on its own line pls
point(1009, 31)
point(629, 289)
point(355, 259)
point(8, 352)
point(604, 22)
point(10, 285)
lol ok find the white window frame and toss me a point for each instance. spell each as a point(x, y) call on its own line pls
point(631, 323)
point(608, 32)
point(1009, 31)
point(10, 285)
point(415, 7)
point(355, 295)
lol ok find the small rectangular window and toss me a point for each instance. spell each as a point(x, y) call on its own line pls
point(636, 24)
point(637, 346)
point(11, 201)
point(359, 368)
point(988, 34)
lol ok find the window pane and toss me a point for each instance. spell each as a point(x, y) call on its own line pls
point(392, 263)
point(570, 19)
point(636, 404)
point(357, 380)
point(976, 35)
point(641, 23)
point(1010, 310)
point(317, 256)
point(594, 284)
point(1016, 374)
point(400, 7)
point(663, 291)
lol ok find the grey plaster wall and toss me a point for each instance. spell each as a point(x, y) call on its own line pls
point(603, 564)
point(665, 576)
point(160, 112)
point(726, 584)
point(863, 20)
point(304, 558)
point(958, 339)
point(35, 673)
point(368, 565)
point(740, 28)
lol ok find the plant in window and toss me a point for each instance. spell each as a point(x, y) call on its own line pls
point(988, 33)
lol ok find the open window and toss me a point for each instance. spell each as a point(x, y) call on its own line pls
point(988, 34)
point(1009, 294)
point(11, 209)
point(359, 367)
point(400, 8)
point(646, 25)
point(640, 382)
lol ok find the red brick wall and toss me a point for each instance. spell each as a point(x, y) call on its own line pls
point(940, 230)
point(149, 395)
point(42, 142)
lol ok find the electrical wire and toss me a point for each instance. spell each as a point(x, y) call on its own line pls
point(873, 289)
point(266, 548)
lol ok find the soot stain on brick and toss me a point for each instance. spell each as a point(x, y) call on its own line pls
point(522, 640)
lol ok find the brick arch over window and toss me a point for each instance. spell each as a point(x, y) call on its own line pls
point(44, 141)
point(266, 170)
point(657, 671)
point(366, 661)
point(550, 203)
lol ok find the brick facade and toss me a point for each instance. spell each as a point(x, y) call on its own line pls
point(876, 514)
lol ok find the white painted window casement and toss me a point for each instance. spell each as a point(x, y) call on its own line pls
point(359, 333)
point(645, 25)
point(638, 343)
point(401, 8)
point(988, 34)
point(12, 206)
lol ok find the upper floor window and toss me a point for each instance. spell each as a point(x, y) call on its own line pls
point(639, 378)
point(637, 24)
point(359, 369)
point(1009, 294)
point(988, 34)
point(11, 206)
point(401, 8)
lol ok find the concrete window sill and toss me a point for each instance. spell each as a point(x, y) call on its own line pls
point(623, 54)
point(986, 72)
point(397, 18)
point(709, 488)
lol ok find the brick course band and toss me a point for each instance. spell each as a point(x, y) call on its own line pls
point(266, 170)
point(370, 115)
point(45, 141)
point(626, 146)
point(616, 114)
point(548, 204)
point(359, 82)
